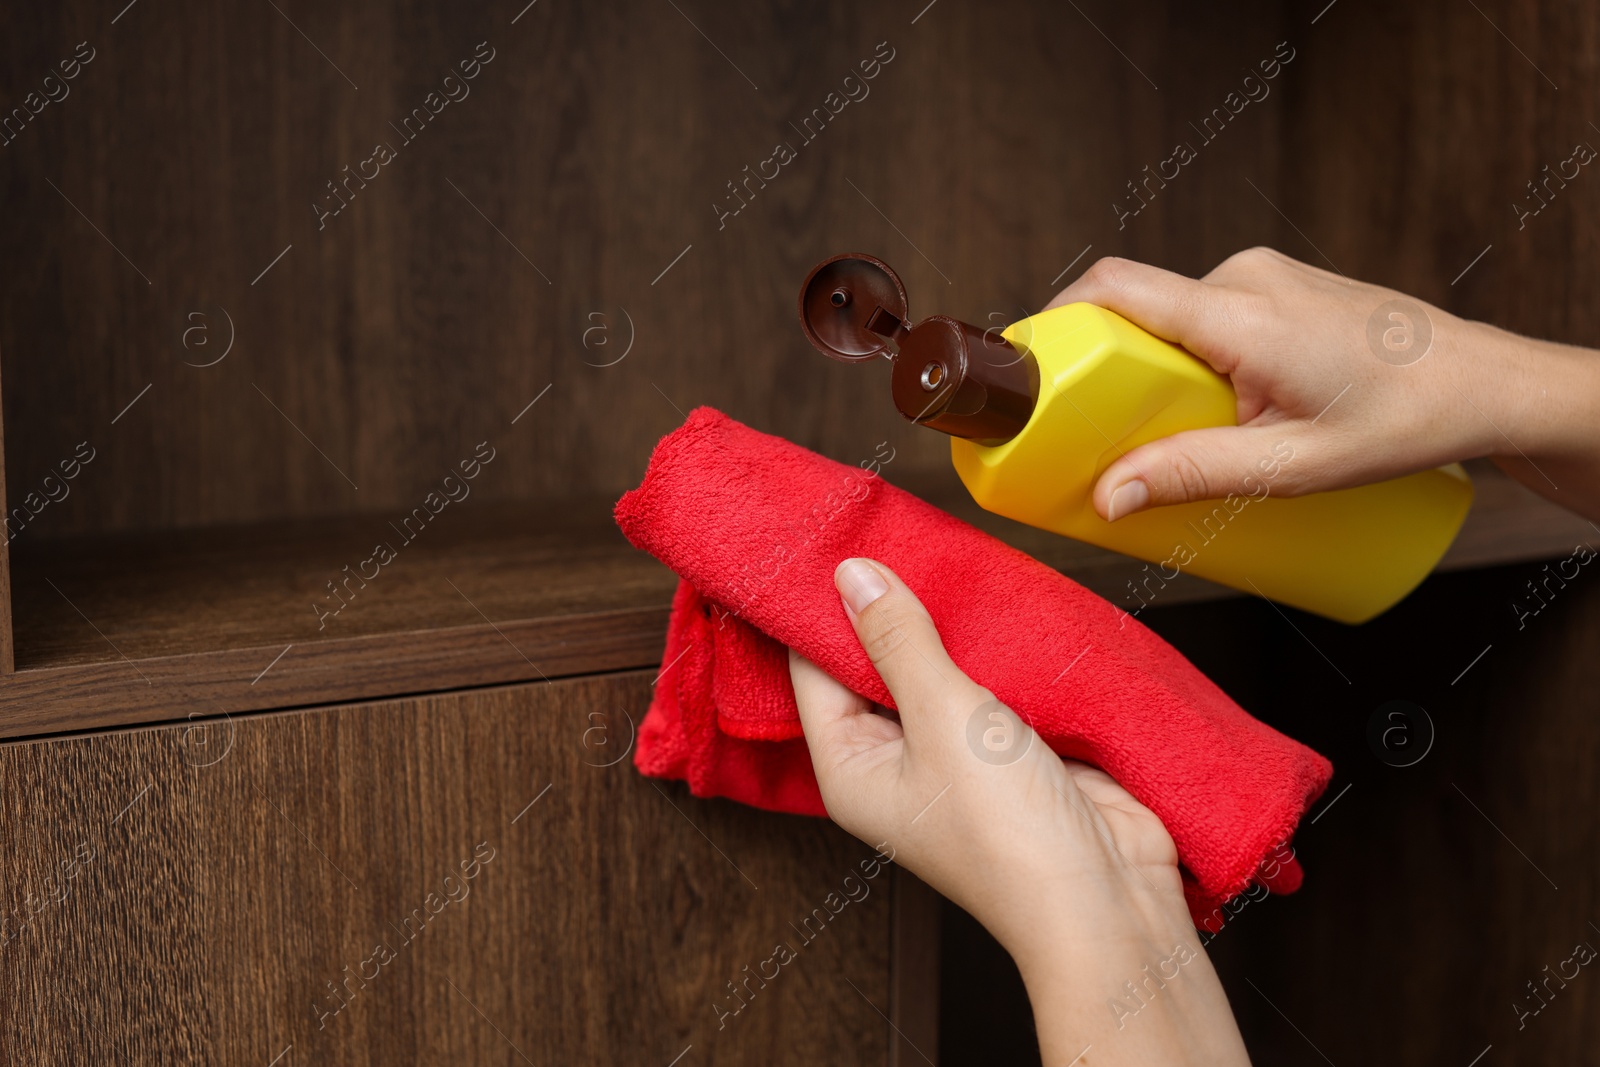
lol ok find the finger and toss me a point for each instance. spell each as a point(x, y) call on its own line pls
point(1094, 784)
point(903, 644)
point(837, 722)
point(1260, 261)
point(1204, 464)
point(1167, 304)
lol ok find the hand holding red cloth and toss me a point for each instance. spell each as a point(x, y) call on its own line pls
point(755, 526)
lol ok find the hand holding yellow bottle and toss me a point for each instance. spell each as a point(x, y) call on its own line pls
point(1291, 447)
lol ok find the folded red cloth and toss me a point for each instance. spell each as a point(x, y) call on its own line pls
point(755, 525)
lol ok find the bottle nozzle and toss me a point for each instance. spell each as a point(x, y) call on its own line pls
point(948, 375)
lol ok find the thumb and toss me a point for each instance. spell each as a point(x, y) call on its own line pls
point(900, 639)
point(1194, 465)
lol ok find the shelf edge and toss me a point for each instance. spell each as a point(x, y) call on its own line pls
point(110, 693)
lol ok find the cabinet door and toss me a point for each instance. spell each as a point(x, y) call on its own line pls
point(476, 877)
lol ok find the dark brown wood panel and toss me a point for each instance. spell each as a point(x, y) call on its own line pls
point(144, 627)
point(914, 971)
point(7, 629)
point(1417, 128)
point(168, 201)
point(196, 894)
point(123, 692)
point(551, 201)
point(1437, 891)
point(174, 594)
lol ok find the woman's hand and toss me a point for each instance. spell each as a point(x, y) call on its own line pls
point(1073, 876)
point(1364, 382)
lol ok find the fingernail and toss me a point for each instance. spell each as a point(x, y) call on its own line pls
point(1132, 495)
point(859, 583)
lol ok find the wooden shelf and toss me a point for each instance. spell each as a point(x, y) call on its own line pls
point(1507, 524)
point(121, 630)
point(212, 590)
point(129, 629)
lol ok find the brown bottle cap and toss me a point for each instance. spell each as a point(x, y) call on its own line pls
point(948, 375)
point(842, 301)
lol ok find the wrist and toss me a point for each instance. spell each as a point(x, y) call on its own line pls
point(1134, 1004)
point(1119, 918)
point(1542, 398)
point(1111, 933)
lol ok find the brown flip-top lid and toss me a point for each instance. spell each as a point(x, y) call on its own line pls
point(948, 375)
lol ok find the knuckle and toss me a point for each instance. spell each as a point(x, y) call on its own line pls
point(1187, 478)
point(1109, 273)
point(1248, 262)
point(1257, 256)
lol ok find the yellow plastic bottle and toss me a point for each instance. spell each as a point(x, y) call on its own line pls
point(1038, 412)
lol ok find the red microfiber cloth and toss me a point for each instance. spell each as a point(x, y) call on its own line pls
point(755, 525)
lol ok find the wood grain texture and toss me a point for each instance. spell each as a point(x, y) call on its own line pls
point(915, 939)
point(415, 323)
point(1416, 130)
point(984, 1012)
point(222, 875)
point(148, 628)
point(461, 283)
point(142, 627)
point(589, 154)
point(187, 592)
point(1483, 851)
point(7, 627)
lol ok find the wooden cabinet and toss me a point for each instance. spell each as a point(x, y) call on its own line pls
point(455, 878)
point(309, 586)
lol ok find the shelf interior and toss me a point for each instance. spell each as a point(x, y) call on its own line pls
point(88, 600)
point(96, 599)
